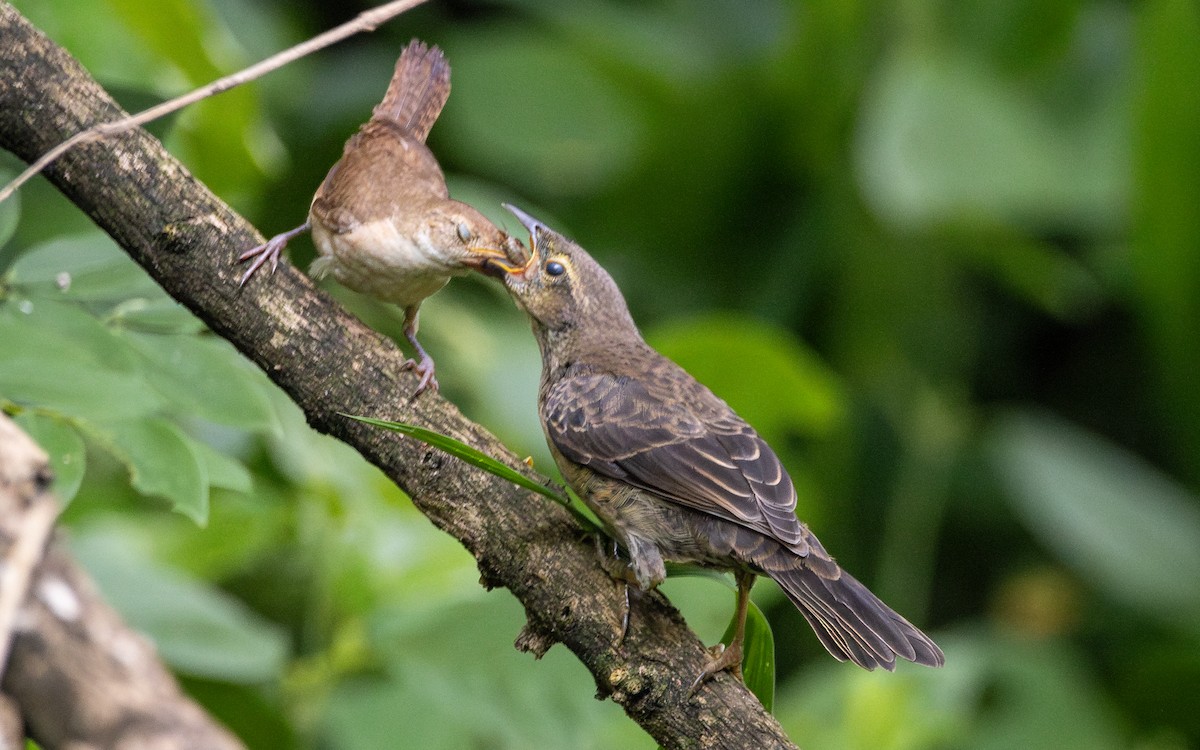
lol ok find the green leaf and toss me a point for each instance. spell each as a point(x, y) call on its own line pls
point(686, 570)
point(460, 656)
point(205, 377)
point(221, 470)
point(1050, 278)
point(162, 462)
point(669, 43)
point(943, 137)
point(197, 629)
point(999, 691)
point(224, 141)
point(124, 63)
point(1122, 524)
point(68, 458)
point(56, 357)
point(61, 325)
point(51, 383)
point(86, 267)
point(163, 315)
point(1165, 225)
point(758, 648)
point(466, 453)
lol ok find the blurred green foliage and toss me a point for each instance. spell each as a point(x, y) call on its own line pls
point(943, 253)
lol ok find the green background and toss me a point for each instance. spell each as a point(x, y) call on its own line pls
point(943, 254)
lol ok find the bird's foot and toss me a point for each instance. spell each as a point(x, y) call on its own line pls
point(621, 572)
point(424, 368)
point(423, 364)
point(721, 659)
point(268, 251)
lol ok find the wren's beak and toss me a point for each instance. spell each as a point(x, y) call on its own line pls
point(496, 261)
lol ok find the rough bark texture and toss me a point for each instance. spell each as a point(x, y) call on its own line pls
point(78, 677)
point(186, 238)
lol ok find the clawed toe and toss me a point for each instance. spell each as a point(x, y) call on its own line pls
point(424, 368)
point(268, 251)
point(620, 571)
point(261, 254)
point(721, 659)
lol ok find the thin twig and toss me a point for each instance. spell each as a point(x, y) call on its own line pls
point(368, 20)
point(20, 563)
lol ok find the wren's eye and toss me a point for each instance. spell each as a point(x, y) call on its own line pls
point(554, 268)
point(464, 232)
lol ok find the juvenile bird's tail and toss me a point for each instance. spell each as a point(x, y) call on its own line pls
point(419, 89)
point(852, 623)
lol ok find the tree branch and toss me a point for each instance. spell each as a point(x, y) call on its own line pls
point(29, 529)
point(328, 362)
point(78, 676)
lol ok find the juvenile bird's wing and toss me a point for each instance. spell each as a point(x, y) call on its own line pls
point(669, 435)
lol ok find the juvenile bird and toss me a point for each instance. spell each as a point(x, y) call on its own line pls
point(383, 221)
point(672, 472)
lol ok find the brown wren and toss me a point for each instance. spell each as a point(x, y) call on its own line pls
point(383, 221)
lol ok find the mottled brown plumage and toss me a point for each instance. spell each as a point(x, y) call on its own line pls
point(672, 471)
point(383, 221)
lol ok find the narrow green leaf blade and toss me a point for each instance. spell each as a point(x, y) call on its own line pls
point(466, 453)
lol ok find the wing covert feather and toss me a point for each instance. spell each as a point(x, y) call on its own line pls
point(689, 447)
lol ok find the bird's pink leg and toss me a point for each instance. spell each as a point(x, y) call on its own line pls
point(423, 366)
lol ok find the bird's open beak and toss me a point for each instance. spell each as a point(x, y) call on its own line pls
point(532, 225)
point(526, 220)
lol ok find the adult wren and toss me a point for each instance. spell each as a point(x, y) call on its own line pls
point(673, 473)
point(383, 221)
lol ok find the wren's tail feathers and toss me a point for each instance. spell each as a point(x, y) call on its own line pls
point(852, 623)
point(419, 89)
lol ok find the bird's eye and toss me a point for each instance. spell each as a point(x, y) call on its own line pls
point(464, 232)
point(554, 268)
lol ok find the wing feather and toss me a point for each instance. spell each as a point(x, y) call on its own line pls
point(688, 447)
